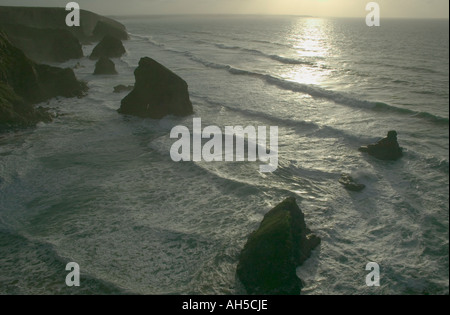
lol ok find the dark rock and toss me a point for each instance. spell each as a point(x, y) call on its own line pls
point(55, 81)
point(24, 83)
point(51, 45)
point(123, 88)
point(104, 28)
point(350, 183)
point(385, 149)
point(268, 262)
point(105, 66)
point(109, 47)
point(55, 18)
point(158, 92)
point(14, 111)
point(78, 66)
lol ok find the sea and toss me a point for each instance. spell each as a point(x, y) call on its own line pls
point(100, 189)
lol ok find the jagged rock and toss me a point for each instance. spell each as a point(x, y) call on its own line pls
point(267, 264)
point(24, 83)
point(158, 92)
point(385, 149)
point(109, 47)
point(123, 88)
point(55, 18)
point(105, 66)
point(350, 184)
point(51, 45)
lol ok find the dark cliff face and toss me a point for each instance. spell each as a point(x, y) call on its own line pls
point(24, 83)
point(55, 18)
point(158, 92)
point(268, 262)
point(44, 45)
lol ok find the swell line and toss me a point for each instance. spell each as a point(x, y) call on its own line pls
point(311, 90)
point(278, 58)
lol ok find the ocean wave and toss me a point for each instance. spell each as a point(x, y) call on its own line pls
point(432, 162)
point(425, 115)
point(148, 39)
point(284, 60)
point(278, 58)
point(238, 186)
point(304, 125)
point(314, 91)
point(34, 252)
point(300, 126)
point(259, 41)
point(318, 92)
point(415, 69)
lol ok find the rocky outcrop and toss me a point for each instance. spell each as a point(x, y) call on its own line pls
point(23, 83)
point(385, 149)
point(103, 28)
point(55, 18)
point(267, 264)
point(44, 45)
point(55, 81)
point(158, 92)
point(123, 88)
point(349, 183)
point(105, 66)
point(109, 47)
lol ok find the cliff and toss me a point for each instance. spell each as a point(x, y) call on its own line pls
point(44, 45)
point(93, 26)
point(24, 83)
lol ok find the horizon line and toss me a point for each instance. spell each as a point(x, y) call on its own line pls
point(233, 14)
point(271, 15)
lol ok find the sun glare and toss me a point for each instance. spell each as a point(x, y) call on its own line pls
point(309, 38)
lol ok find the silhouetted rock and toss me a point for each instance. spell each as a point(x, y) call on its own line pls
point(55, 81)
point(55, 18)
point(105, 66)
point(52, 45)
point(123, 88)
point(350, 184)
point(385, 149)
point(158, 92)
point(109, 47)
point(24, 83)
point(104, 28)
point(268, 262)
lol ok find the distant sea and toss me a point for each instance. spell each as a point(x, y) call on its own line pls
point(100, 189)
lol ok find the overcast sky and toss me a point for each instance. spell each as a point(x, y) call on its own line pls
point(338, 8)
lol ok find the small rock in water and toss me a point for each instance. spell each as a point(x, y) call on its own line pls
point(123, 88)
point(105, 66)
point(385, 149)
point(350, 184)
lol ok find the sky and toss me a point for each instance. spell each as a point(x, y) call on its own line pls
point(321, 8)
